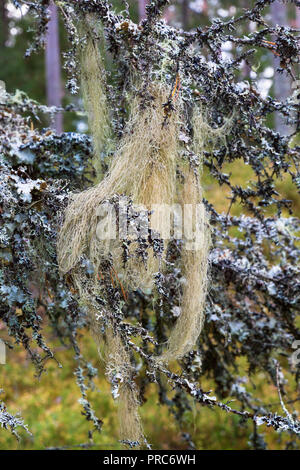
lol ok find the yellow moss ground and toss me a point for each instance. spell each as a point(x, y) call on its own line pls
point(50, 407)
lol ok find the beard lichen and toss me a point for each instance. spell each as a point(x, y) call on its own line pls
point(93, 86)
point(143, 174)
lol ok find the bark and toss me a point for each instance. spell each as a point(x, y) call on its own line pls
point(282, 82)
point(142, 9)
point(4, 29)
point(185, 14)
point(53, 67)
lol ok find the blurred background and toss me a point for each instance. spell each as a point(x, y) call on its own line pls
point(42, 77)
point(50, 406)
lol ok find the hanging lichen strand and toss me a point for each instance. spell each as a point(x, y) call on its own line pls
point(93, 89)
point(194, 267)
point(143, 170)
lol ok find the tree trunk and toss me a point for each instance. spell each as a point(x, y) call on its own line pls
point(3, 24)
point(53, 69)
point(142, 9)
point(185, 14)
point(282, 82)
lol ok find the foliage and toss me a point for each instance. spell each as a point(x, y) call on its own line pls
point(254, 296)
point(9, 421)
point(30, 206)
